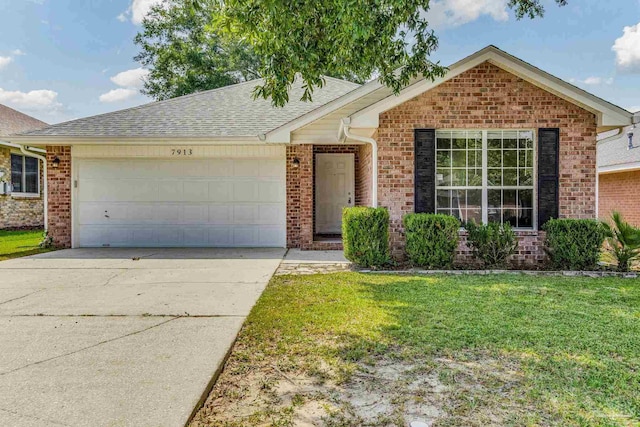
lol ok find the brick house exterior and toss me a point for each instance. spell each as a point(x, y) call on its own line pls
point(18, 210)
point(488, 90)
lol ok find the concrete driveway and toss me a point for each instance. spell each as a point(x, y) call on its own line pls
point(120, 337)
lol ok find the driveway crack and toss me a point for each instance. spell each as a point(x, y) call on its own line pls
point(34, 417)
point(23, 296)
point(88, 347)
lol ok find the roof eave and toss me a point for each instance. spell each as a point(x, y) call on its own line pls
point(60, 140)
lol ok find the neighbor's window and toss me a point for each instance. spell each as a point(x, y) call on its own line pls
point(24, 174)
point(486, 175)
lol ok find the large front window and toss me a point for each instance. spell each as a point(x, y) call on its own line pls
point(486, 175)
point(24, 174)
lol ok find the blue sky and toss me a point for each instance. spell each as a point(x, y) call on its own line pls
point(65, 59)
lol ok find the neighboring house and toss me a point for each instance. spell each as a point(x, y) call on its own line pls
point(496, 139)
point(21, 186)
point(619, 174)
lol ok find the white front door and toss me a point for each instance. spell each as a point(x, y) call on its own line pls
point(335, 189)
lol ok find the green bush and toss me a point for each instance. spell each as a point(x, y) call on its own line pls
point(365, 236)
point(623, 241)
point(574, 244)
point(491, 243)
point(432, 239)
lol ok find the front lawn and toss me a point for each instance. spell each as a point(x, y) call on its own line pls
point(353, 349)
point(14, 244)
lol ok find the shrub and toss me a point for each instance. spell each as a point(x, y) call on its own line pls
point(574, 244)
point(491, 243)
point(365, 236)
point(623, 240)
point(432, 239)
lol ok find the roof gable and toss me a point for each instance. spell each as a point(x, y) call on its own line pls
point(13, 121)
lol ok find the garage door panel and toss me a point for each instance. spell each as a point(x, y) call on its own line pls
point(203, 202)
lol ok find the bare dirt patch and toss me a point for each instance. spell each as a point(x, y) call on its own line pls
point(384, 392)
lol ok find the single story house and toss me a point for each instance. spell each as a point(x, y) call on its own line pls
point(619, 174)
point(21, 178)
point(496, 139)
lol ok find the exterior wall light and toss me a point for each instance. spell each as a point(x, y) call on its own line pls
point(295, 163)
point(56, 162)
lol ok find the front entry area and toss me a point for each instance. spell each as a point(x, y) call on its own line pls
point(334, 190)
point(166, 202)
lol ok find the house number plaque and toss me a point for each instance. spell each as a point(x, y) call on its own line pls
point(181, 152)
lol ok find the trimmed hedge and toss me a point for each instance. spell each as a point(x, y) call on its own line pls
point(432, 239)
point(491, 243)
point(574, 244)
point(365, 236)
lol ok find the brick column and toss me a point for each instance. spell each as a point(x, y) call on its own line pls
point(59, 192)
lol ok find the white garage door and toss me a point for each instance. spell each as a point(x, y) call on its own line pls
point(181, 203)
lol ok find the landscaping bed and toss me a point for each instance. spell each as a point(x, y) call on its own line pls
point(352, 349)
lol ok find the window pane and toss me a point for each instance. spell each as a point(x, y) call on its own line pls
point(526, 158)
point(494, 139)
point(525, 139)
point(474, 140)
point(444, 177)
point(443, 140)
point(458, 199)
point(510, 177)
point(443, 159)
point(459, 177)
point(474, 199)
point(459, 140)
point(525, 198)
point(525, 218)
point(459, 159)
point(494, 158)
point(510, 216)
point(475, 178)
point(526, 177)
point(31, 175)
point(474, 215)
point(495, 198)
point(443, 199)
point(510, 159)
point(474, 158)
point(494, 177)
point(509, 199)
point(510, 139)
point(494, 215)
point(16, 173)
point(444, 211)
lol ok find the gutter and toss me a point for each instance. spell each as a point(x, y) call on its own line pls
point(345, 124)
point(38, 154)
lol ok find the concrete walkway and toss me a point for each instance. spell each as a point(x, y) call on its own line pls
point(120, 337)
point(313, 262)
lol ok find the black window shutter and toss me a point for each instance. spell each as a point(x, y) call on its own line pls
point(548, 174)
point(425, 170)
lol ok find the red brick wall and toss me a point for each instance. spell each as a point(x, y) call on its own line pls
point(59, 190)
point(486, 97)
point(620, 192)
point(363, 176)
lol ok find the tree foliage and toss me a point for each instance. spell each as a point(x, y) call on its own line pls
point(359, 38)
point(623, 241)
point(185, 55)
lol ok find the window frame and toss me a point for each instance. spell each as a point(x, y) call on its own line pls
point(23, 176)
point(485, 179)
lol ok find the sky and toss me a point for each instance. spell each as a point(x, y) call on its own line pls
point(66, 59)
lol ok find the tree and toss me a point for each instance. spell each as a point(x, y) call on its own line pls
point(359, 38)
point(184, 55)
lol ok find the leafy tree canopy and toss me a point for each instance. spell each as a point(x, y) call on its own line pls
point(390, 39)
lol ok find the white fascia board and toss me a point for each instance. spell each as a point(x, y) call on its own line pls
point(626, 167)
point(62, 140)
point(282, 134)
point(607, 114)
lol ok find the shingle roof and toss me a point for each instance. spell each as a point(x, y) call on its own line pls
point(615, 152)
point(230, 111)
point(12, 122)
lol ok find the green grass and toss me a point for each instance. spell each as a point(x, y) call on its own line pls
point(575, 342)
point(14, 244)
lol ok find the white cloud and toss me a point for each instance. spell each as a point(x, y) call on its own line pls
point(131, 78)
point(453, 13)
point(17, 52)
point(42, 99)
point(122, 17)
point(138, 9)
point(593, 81)
point(4, 61)
point(634, 108)
point(627, 49)
point(117, 95)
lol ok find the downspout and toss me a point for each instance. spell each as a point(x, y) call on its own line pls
point(45, 194)
point(374, 158)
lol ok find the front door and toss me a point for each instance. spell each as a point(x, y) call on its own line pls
point(335, 189)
